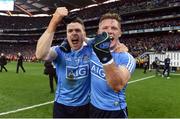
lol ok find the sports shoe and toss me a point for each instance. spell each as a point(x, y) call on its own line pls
point(168, 77)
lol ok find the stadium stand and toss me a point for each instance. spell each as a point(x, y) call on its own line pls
point(143, 29)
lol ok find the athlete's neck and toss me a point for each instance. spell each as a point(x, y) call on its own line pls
point(113, 48)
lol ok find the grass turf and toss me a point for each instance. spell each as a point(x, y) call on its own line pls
point(155, 97)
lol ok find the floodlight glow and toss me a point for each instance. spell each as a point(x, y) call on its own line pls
point(6, 5)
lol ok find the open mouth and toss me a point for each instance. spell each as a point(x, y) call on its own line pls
point(75, 41)
point(111, 38)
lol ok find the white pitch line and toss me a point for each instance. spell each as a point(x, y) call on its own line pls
point(38, 105)
point(175, 74)
point(141, 79)
point(26, 108)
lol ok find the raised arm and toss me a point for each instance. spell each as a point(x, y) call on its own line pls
point(43, 50)
point(117, 76)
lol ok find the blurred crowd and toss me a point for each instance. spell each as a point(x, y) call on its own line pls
point(156, 43)
point(11, 51)
point(151, 24)
point(126, 6)
point(137, 43)
point(121, 7)
point(7, 22)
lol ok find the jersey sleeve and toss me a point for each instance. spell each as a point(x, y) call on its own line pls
point(89, 41)
point(127, 61)
point(57, 50)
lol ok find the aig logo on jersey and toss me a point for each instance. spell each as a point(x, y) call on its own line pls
point(97, 71)
point(75, 73)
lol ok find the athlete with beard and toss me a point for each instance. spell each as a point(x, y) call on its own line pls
point(72, 68)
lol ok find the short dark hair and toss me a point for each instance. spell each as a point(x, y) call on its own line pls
point(110, 15)
point(78, 20)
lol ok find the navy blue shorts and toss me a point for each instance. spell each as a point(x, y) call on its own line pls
point(98, 113)
point(63, 111)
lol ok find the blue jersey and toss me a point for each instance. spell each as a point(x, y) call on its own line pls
point(72, 69)
point(102, 96)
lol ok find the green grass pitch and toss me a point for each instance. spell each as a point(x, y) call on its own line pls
point(154, 97)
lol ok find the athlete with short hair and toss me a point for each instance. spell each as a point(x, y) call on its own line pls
point(72, 67)
point(111, 69)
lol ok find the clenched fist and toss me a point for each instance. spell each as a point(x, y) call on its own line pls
point(59, 14)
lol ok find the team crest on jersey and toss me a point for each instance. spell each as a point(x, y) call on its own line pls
point(75, 73)
point(85, 59)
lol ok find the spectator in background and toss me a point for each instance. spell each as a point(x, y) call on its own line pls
point(3, 62)
point(51, 72)
point(145, 65)
point(19, 62)
point(167, 62)
point(157, 65)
